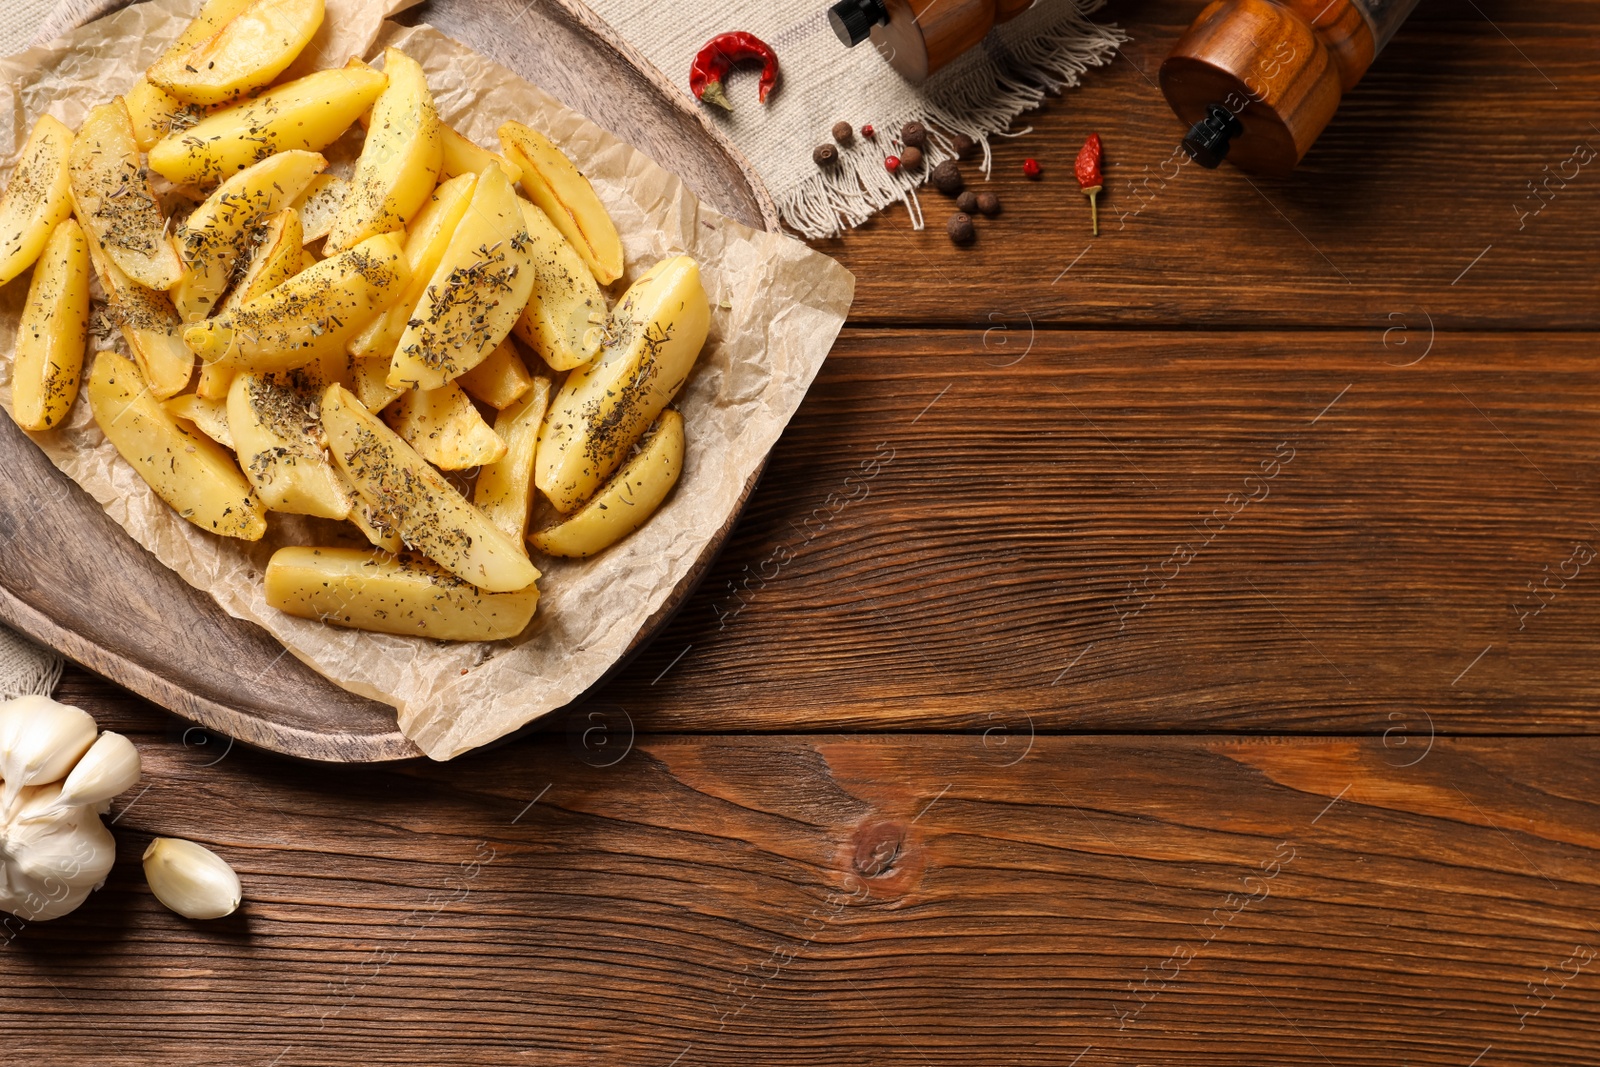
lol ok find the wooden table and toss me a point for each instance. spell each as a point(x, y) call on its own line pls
point(1172, 648)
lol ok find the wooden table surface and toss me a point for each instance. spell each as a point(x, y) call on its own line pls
point(1172, 648)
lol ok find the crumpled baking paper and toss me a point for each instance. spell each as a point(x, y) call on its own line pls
point(776, 309)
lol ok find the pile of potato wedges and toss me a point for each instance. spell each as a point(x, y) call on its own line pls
point(358, 347)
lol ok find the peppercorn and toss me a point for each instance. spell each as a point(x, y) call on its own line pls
point(989, 204)
point(965, 147)
point(946, 178)
point(960, 228)
point(868, 132)
point(914, 135)
point(1031, 168)
point(825, 155)
point(911, 158)
point(967, 203)
point(891, 163)
point(843, 133)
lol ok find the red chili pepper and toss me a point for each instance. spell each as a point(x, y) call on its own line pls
point(720, 55)
point(1090, 180)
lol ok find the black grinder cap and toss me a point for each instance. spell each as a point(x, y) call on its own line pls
point(1207, 140)
point(853, 20)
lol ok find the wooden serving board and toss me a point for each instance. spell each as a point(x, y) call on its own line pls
point(72, 579)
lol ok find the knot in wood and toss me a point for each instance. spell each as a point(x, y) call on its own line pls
point(878, 848)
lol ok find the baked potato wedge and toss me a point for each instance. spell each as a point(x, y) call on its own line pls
point(476, 293)
point(155, 113)
point(212, 17)
point(462, 156)
point(114, 200)
point(192, 473)
point(564, 320)
point(500, 380)
point(426, 241)
point(604, 406)
point(562, 192)
point(53, 332)
point(319, 205)
point(275, 256)
point(241, 51)
point(309, 114)
point(149, 325)
point(504, 491)
point(218, 235)
point(399, 162)
point(215, 381)
point(312, 315)
point(364, 517)
point(444, 428)
point(38, 198)
point(210, 417)
point(409, 595)
point(415, 500)
point(625, 502)
point(368, 379)
point(277, 436)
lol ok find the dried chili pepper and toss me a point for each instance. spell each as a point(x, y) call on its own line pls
point(1090, 179)
point(720, 55)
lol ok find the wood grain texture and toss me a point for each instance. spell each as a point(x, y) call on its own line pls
point(1426, 165)
point(840, 900)
point(65, 566)
point(1115, 530)
point(997, 894)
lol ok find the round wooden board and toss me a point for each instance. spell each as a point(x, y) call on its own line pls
point(72, 579)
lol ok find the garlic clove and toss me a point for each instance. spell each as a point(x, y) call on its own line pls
point(191, 879)
point(111, 766)
point(40, 740)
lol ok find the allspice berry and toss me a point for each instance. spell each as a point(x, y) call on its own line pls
point(824, 155)
point(946, 178)
point(960, 228)
point(964, 146)
point(913, 135)
point(967, 203)
point(989, 204)
point(843, 133)
point(911, 158)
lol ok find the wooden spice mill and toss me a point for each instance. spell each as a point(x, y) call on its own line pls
point(1258, 80)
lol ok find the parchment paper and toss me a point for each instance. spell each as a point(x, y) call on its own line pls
point(776, 308)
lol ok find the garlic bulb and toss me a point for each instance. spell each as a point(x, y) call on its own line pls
point(54, 850)
point(191, 879)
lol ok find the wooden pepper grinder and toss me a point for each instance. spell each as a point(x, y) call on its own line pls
point(1259, 79)
point(918, 37)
